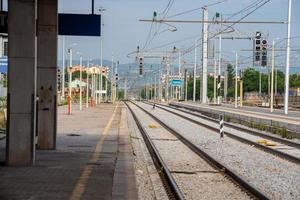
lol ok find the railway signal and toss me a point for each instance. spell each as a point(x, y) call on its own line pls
point(141, 65)
point(264, 47)
point(257, 47)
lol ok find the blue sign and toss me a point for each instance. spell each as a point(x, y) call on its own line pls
point(3, 64)
point(3, 21)
point(176, 82)
point(79, 24)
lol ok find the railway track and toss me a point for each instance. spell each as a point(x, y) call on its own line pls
point(247, 187)
point(248, 130)
point(279, 153)
point(167, 179)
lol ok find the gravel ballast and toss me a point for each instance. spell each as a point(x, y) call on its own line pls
point(276, 177)
point(194, 176)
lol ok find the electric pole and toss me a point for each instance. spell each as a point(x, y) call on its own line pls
point(287, 67)
point(204, 55)
point(195, 71)
point(236, 80)
point(220, 63)
point(63, 69)
point(80, 84)
point(272, 76)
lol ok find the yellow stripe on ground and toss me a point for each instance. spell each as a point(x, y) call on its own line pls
point(87, 170)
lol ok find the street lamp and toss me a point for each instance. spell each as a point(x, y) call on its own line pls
point(101, 10)
point(87, 83)
point(80, 81)
point(70, 51)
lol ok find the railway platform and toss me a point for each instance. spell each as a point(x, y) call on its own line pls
point(93, 160)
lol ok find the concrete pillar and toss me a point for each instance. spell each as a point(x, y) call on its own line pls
point(47, 72)
point(22, 82)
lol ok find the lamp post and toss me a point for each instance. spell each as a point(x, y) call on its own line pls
point(80, 81)
point(101, 10)
point(70, 51)
point(87, 84)
point(63, 69)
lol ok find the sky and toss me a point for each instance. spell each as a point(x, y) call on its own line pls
point(122, 31)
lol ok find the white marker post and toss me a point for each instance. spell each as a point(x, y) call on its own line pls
point(221, 122)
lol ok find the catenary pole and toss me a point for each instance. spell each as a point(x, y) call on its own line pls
point(272, 76)
point(195, 71)
point(204, 55)
point(87, 84)
point(287, 66)
point(236, 81)
point(63, 68)
point(80, 84)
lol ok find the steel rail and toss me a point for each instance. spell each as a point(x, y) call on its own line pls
point(275, 152)
point(248, 187)
point(249, 131)
point(171, 186)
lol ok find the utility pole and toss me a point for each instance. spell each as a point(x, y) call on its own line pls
point(195, 71)
point(275, 83)
point(70, 73)
point(236, 81)
point(168, 79)
point(116, 82)
point(220, 63)
point(287, 67)
point(272, 76)
point(215, 80)
point(87, 84)
point(125, 88)
point(95, 87)
point(101, 9)
point(179, 63)
point(269, 86)
point(204, 55)
point(185, 82)
point(159, 85)
point(179, 70)
point(225, 83)
point(80, 84)
point(63, 69)
point(112, 78)
point(100, 84)
point(155, 86)
point(106, 88)
point(260, 82)
point(241, 90)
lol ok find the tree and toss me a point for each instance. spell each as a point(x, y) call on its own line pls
point(230, 80)
point(294, 80)
point(251, 80)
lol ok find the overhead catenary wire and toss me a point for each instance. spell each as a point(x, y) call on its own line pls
point(222, 31)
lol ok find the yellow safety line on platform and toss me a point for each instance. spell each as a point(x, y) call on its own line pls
point(87, 170)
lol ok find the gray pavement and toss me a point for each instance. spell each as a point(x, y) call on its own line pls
point(90, 162)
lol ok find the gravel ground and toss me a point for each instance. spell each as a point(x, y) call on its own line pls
point(279, 146)
point(278, 178)
point(148, 181)
point(195, 177)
